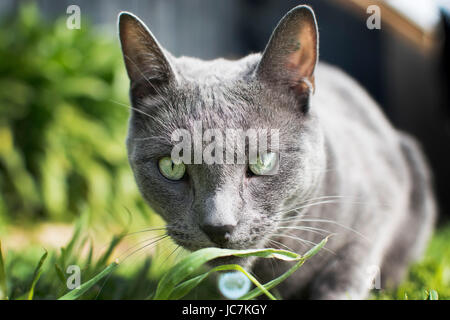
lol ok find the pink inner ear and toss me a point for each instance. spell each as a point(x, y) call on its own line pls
point(301, 62)
point(291, 54)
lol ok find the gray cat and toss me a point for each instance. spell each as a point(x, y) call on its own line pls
point(342, 168)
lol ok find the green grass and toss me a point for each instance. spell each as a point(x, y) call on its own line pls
point(25, 275)
point(432, 273)
point(63, 122)
point(36, 273)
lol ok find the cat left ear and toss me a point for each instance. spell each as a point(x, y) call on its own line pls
point(292, 52)
point(144, 57)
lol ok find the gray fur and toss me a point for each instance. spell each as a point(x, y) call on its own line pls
point(381, 206)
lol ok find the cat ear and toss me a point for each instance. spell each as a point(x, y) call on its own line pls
point(144, 57)
point(292, 52)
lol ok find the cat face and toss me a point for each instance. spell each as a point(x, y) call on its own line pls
point(230, 205)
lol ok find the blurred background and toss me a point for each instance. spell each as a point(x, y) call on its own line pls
point(64, 95)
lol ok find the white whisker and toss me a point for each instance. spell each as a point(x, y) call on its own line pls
point(130, 107)
point(311, 229)
point(302, 240)
point(301, 219)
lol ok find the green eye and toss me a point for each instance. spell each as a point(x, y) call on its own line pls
point(170, 170)
point(266, 164)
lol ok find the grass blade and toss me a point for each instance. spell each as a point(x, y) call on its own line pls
point(432, 295)
point(60, 274)
point(67, 251)
point(76, 293)
point(112, 245)
point(3, 285)
point(269, 285)
point(191, 263)
point(37, 275)
point(185, 287)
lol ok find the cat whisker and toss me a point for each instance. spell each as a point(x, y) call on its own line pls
point(319, 231)
point(145, 230)
point(155, 138)
point(176, 259)
point(304, 241)
point(139, 243)
point(170, 254)
point(324, 197)
point(320, 220)
point(308, 202)
point(280, 244)
point(131, 234)
point(145, 246)
point(180, 253)
point(316, 204)
point(130, 107)
point(123, 260)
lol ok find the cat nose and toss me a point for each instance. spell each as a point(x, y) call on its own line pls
point(218, 234)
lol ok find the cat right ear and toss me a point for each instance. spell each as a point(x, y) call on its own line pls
point(291, 55)
point(144, 58)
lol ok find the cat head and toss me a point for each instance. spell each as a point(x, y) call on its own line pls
point(231, 205)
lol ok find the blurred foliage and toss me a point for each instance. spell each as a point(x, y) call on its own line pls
point(40, 274)
point(37, 274)
point(63, 117)
point(432, 273)
point(137, 279)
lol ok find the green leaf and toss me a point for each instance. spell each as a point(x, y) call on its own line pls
point(432, 295)
point(60, 274)
point(66, 252)
point(257, 291)
point(185, 287)
point(3, 286)
point(90, 254)
point(191, 263)
point(37, 275)
point(112, 245)
point(78, 292)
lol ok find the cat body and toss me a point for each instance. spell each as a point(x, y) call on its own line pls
point(343, 168)
point(383, 212)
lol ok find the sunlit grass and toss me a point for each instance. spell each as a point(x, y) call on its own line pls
point(113, 274)
point(432, 273)
point(125, 273)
